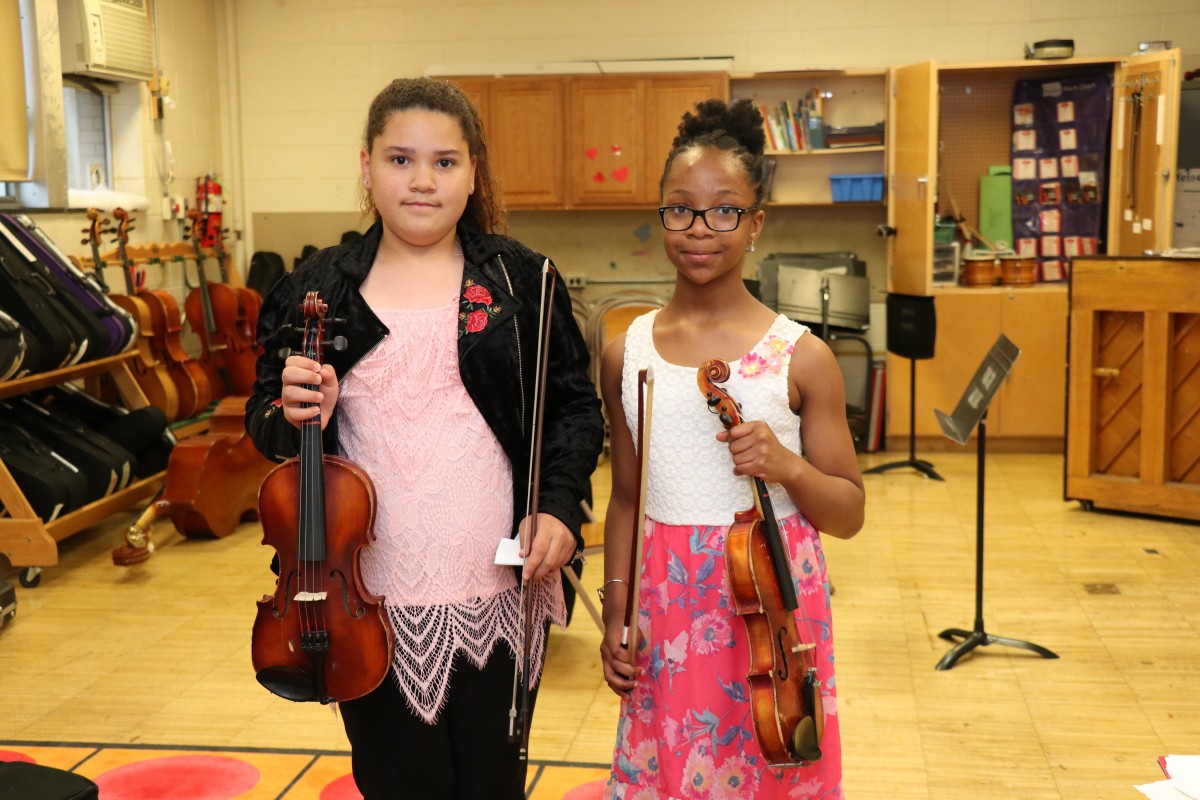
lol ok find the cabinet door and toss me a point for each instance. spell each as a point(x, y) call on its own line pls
point(912, 158)
point(1141, 206)
point(476, 90)
point(1032, 401)
point(525, 140)
point(666, 101)
point(606, 147)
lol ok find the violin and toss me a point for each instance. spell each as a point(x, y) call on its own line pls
point(151, 375)
point(321, 636)
point(785, 697)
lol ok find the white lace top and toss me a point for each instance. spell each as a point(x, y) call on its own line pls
point(444, 500)
point(692, 480)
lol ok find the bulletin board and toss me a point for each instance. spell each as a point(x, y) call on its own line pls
point(1060, 131)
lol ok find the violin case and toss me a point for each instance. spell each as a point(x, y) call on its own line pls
point(107, 466)
point(50, 483)
point(13, 348)
point(143, 432)
point(111, 326)
point(20, 780)
point(29, 295)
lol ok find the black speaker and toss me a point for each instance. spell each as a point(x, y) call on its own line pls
point(911, 326)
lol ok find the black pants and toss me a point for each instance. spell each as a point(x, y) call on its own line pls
point(465, 755)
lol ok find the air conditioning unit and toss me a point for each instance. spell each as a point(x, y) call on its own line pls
point(111, 39)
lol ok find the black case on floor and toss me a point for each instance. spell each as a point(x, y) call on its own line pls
point(51, 484)
point(20, 780)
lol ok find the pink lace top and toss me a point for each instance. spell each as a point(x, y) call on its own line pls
point(444, 501)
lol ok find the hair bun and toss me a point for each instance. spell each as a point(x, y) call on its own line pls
point(739, 120)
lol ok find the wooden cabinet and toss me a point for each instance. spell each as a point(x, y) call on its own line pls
point(27, 541)
point(566, 142)
point(1133, 414)
point(855, 98)
point(621, 129)
point(1029, 407)
point(524, 124)
point(952, 122)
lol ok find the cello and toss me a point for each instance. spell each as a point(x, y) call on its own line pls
point(213, 311)
point(151, 375)
point(785, 697)
point(320, 636)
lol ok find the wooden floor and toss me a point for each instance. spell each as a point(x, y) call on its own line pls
point(159, 654)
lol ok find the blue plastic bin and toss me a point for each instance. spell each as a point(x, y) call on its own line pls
point(862, 188)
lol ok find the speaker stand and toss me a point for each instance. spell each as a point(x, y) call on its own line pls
point(912, 461)
point(978, 636)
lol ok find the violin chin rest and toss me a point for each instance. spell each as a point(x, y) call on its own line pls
point(291, 683)
point(804, 740)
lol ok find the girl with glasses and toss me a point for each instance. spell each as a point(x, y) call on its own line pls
point(685, 729)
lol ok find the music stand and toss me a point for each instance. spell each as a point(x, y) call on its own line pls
point(970, 412)
point(911, 333)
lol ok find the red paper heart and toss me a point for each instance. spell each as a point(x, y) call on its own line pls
point(616, 149)
point(598, 177)
point(591, 153)
point(621, 175)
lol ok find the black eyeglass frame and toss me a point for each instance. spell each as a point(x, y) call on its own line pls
point(702, 213)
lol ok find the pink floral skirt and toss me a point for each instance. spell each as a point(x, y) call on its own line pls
point(685, 730)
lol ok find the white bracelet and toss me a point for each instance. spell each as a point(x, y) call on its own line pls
point(603, 588)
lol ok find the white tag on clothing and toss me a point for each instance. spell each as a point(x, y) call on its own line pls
point(509, 552)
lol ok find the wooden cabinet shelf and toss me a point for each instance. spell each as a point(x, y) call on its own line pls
point(853, 98)
point(25, 539)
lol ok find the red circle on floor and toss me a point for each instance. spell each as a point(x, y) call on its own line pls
point(199, 777)
point(13, 755)
point(587, 791)
point(344, 788)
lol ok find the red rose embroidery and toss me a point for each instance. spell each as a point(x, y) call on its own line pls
point(476, 321)
point(478, 294)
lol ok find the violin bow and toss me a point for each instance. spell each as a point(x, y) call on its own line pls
point(518, 713)
point(629, 635)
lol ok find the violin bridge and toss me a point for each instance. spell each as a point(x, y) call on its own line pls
point(301, 597)
point(803, 647)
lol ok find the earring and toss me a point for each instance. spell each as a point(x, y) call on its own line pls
point(366, 184)
point(471, 189)
point(750, 249)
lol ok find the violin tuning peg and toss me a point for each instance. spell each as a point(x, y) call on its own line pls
point(725, 419)
point(284, 352)
point(337, 343)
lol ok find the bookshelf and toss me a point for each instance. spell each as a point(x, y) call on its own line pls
point(848, 99)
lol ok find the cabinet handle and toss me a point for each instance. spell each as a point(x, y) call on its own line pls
point(1106, 372)
point(922, 182)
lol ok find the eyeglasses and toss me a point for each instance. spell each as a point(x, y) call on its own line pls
point(720, 219)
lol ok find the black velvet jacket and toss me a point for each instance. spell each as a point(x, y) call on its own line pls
point(497, 355)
